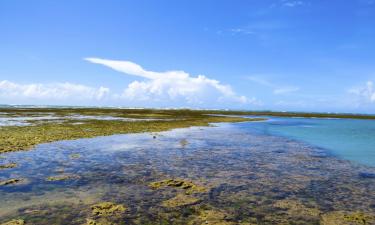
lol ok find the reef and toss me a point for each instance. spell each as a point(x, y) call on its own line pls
point(14, 222)
point(75, 156)
point(346, 218)
point(180, 200)
point(15, 138)
point(11, 181)
point(188, 186)
point(107, 209)
point(98, 222)
point(62, 177)
point(8, 166)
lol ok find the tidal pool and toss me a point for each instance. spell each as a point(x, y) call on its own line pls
point(226, 174)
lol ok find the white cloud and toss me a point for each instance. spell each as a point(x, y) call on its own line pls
point(365, 93)
point(277, 89)
point(53, 91)
point(173, 86)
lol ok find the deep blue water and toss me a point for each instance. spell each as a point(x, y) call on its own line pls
point(350, 139)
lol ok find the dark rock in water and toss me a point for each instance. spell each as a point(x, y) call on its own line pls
point(367, 175)
point(279, 151)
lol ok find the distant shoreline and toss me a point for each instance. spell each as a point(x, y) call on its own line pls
point(201, 111)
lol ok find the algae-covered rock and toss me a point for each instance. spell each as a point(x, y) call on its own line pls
point(180, 200)
point(75, 156)
point(345, 218)
point(294, 207)
point(216, 217)
point(62, 177)
point(7, 166)
point(11, 181)
point(98, 222)
point(107, 209)
point(14, 222)
point(178, 183)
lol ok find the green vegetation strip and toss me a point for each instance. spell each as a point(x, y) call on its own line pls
point(15, 138)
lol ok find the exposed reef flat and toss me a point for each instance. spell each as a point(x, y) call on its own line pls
point(75, 123)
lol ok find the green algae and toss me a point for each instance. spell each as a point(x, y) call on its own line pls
point(14, 222)
point(188, 186)
point(8, 166)
point(107, 209)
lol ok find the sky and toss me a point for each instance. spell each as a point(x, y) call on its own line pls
point(282, 55)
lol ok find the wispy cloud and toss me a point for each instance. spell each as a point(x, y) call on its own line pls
point(52, 91)
point(173, 86)
point(292, 3)
point(285, 90)
point(365, 93)
point(277, 89)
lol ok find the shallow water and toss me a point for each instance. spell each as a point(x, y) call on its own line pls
point(351, 139)
point(252, 177)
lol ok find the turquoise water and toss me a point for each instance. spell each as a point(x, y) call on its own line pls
point(349, 139)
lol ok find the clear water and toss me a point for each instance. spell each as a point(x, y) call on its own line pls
point(252, 177)
point(349, 139)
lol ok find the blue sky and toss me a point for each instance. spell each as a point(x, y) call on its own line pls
point(304, 55)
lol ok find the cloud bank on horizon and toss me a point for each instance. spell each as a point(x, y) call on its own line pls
point(171, 89)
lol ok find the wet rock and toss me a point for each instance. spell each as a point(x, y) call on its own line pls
point(180, 184)
point(180, 200)
point(14, 222)
point(75, 156)
point(7, 166)
point(107, 209)
point(345, 218)
point(10, 181)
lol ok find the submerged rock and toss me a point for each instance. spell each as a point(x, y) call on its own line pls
point(7, 166)
point(183, 142)
point(180, 200)
point(367, 175)
point(214, 217)
point(107, 209)
point(295, 207)
point(62, 177)
point(344, 218)
point(14, 222)
point(178, 183)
